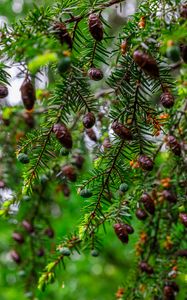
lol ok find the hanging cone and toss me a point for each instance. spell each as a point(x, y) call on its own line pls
point(28, 93)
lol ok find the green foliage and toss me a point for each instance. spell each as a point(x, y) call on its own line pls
point(66, 203)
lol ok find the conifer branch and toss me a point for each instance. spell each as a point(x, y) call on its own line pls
point(105, 183)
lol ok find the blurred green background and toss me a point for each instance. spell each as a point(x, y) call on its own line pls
point(85, 277)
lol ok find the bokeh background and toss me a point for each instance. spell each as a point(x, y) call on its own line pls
point(85, 277)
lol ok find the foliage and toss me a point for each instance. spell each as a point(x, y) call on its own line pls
point(63, 202)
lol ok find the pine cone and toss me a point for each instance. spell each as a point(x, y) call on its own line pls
point(182, 253)
point(2, 184)
point(15, 256)
point(28, 94)
point(145, 163)
point(91, 134)
point(122, 131)
point(183, 11)
point(148, 203)
point(41, 252)
point(177, 149)
point(169, 196)
point(171, 140)
point(96, 27)
point(183, 218)
point(89, 120)
point(173, 284)
point(121, 232)
point(3, 91)
point(129, 228)
point(169, 293)
point(167, 99)
point(28, 226)
point(145, 267)
point(69, 172)
point(174, 145)
point(95, 74)
point(29, 119)
point(6, 121)
point(107, 143)
point(66, 190)
point(18, 237)
point(49, 232)
point(147, 63)
point(141, 214)
point(63, 135)
point(78, 160)
point(62, 34)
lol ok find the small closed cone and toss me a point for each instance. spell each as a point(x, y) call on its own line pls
point(95, 27)
point(62, 34)
point(63, 135)
point(28, 93)
point(147, 63)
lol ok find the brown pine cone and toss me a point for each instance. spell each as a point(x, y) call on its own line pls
point(146, 268)
point(63, 135)
point(182, 253)
point(69, 172)
point(95, 27)
point(174, 145)
point(66, 190)
point(169, 196)
point(95, 74)
point(129, 228)
point(28, 94)
point(171, 140)
point(121, 232)
point(148, 203)
point(167, 99)
point(15, 256)
point(6, 122)
point(107, 143)
point(49, 232)
point(122, 131)
point(29, 119)
point(173, 284)
point(28, 226)
point(183, 11)
point(18, 237)
point(2, 184)
point(141, 214)
point(3, 91)
point(145, 162)
point(89, 120)
point(62, 34)
point(183, 218)
point(147, 63)
point(40, 252)
point(176, 149)
point(169, 293)
point(78, 160)
point(91, 134)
